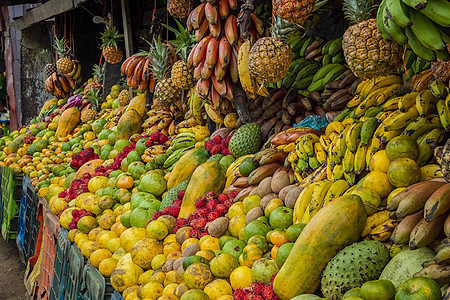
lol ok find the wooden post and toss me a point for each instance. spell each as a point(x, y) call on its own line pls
point(127, 35)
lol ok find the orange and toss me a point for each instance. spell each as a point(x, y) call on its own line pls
point(125, 182)
point(278, 237)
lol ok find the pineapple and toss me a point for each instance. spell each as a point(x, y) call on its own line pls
point(367, 54)
point(94, 82)
point(441, 69)
point(182, 76)
point(295, 11)
point(178, 8)
point(110, 51)
point(165, 90)
point(93, 96)
point(64, 65)
point(269, 59)
point(50, 69)
point(123, 98)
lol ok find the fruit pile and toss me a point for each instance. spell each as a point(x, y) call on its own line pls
point(273, 164)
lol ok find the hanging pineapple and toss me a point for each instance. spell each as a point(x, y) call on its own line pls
point(367, 54)
point(269, 59)
point(166, 93)
point(64, 65)
point(295, 11)
point(178, 8)
point(182, 76)
point(110, 51)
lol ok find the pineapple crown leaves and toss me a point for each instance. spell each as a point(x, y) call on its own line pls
point(93, 97)
point(159, 59)
point(184, 41)
point(110, 37)
point(61, 47)
point(358, 10)
point(98, 73)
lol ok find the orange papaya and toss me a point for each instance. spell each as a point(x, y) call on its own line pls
point(208, 177)
point(186, 165)
point(89, 167)
point(68, 121)
point(129, 123)
point(138, 104)
point(334, 227)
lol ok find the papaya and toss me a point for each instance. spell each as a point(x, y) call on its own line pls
point(208, 177)
point(68, 121)
point(17, 143)
point(186, 165)
point(138, 104)
point(129, 123)
point(335, 226)
point(89, 167)
point(48, 104)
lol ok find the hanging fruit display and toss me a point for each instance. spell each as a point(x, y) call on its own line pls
point(110, 50)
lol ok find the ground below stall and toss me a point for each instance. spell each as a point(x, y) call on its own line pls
point(12, 272)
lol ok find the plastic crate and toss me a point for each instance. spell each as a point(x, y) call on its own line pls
point(29, 224)
point(74, 273)
point(11, 198)
point(109, 290)
point(58, 288)
point(51, 227)
point(93, 283)
point(116, 296)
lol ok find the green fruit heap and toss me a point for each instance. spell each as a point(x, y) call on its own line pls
point(246, 140)
point(352, 266)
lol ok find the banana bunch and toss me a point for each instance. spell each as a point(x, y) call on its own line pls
point(179, 146)
point(423, 25)
point(76, 71)
point(337, 93)
point(310, 153)
point(137, 69)
point(160, 120)
point(315, 196)
point(217, 55)
point(422, 210)
point(264, 11)
point(440, 91)
point(412, 65)
point(59, 85)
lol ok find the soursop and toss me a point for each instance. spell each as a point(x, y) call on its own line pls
point(352, 266)
point(171, 194)
point(246, 140)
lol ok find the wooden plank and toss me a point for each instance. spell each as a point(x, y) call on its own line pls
point(127, 34)
point(45, 11)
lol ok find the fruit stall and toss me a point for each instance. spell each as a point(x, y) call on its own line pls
point(245, 157)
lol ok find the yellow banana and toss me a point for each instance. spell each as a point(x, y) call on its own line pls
point(318, 196)
point(338, 172)
point(301, 153)
point(359, 163)
point(341, 143)
point(355, 101)
point(407, 101)
point(308, 141)
point(430, 171)
point(389, 81)
point(371, 98)
point(375, 145)
point(348, 122)
point(391, 104)
point(348, 161)
point(363, 85)
point(215, 116)
point(320, 153)
point(336, 190)
point(383, 231)
point(423, 100)
point(402, 120)
point(351, 140)
point(334, 127)
point(387, 93)
point(324, 142)
point(302, 202)
point(374, 220)
point(367, 88)
point(243, 70)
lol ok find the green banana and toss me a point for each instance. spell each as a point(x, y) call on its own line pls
point(399, 13)
point(304, 46)
point(438, 11)
point(367, 129)
point(333, 74)
point(372, 111)
point(303, 83)
point(393, 30)
point(326, 59)
point(307, 71)
point(426, 31)
point(326, 47)
point(323, 71)
point(297, 43)
point(380, 23)
point(338, 58)
point(335, 46)
point(418, 48)
point(173, 158)
point(420, 125)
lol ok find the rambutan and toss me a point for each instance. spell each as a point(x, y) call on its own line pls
point(162, 139)
point(181, 222)
point(203, 234)
point(199, 223)
point(217, 139)
point(225, 151)
point(216, 149)
point(258, 287)
point(177, 203)
point(213, 215)
point(222, 198)
point(193, 233)
point(211, 205)
point(208, 145)
point(155, 136)
point(221, 209)
point(268, 293)
point(210, 196)
point(174, 211)
point(273, 278)
point(228, 203)
point(238, 294)
point(200, 202)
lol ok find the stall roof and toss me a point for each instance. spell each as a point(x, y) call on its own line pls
point(45, 11)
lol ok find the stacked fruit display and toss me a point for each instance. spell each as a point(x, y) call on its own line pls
point(259, 208)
